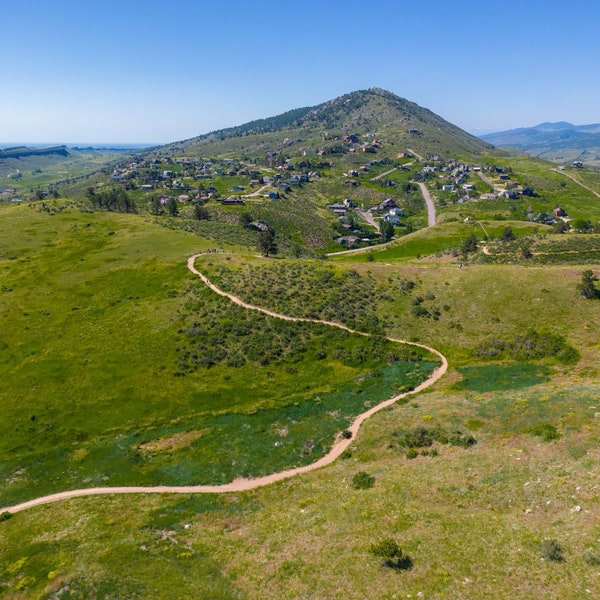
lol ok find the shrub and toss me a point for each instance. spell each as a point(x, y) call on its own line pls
point(461, 440)
point(411, 453)
point(346, 434)
point(592, 558)
point(546, 431)
point(5, 516)
point(553, 550)
point(392, 554)
point(363, 481)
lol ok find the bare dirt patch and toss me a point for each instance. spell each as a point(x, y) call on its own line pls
point(173, 442)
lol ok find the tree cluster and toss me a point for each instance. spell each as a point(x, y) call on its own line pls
point(115, 199)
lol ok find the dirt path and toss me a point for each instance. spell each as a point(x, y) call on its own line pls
point(238, 485)
point(585, 187)
point(485, 179)
point(257, 192)
point(377, 177)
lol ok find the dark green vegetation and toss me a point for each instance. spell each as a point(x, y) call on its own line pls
point(362, 481)
point(118, 366)
point(392, 554)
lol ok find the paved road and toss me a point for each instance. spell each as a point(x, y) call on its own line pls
point(429, 203)
point(248, 484)
point(484, 178)
point(368, 217)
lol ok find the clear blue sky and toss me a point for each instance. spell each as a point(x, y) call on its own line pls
point(149, 71)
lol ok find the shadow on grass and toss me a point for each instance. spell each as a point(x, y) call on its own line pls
point(405, 563)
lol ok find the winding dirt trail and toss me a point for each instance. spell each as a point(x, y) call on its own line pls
point(238, 485)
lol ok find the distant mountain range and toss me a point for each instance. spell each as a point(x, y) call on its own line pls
point(374, 112)
point(560, 142)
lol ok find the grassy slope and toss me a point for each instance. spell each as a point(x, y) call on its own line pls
point(472, 520)
point(94, 399)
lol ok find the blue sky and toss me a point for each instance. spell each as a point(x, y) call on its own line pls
point(149, 71)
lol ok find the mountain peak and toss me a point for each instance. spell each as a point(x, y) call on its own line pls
point(554, 126)
point(373, 112)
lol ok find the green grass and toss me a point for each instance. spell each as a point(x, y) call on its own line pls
point(116, 305)
point(464, 517)
point(445, 238)
point(490, 378)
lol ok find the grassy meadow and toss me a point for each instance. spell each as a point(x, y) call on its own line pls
point(120, 367)
point(102, 383)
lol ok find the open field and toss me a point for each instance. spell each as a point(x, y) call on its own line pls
point(473, 520)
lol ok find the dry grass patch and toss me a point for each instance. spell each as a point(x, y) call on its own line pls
point(172, 442)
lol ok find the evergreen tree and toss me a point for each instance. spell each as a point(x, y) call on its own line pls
point(266, 243)
point(587, 288)
point(387, 231)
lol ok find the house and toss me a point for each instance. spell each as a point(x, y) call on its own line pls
point(339, 210)
point(447, 188)
point(503, 177)
point(392, 218)
point(510, 194)
point(559, 212)
point(387, 204)
point(351, 182)
point(348, 240)
point(370, 149)
point(488, 197)
point(577, 164)
point(273, 195)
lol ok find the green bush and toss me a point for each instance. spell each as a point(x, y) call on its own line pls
point(592, 558)
point(546, 431)
point(553, 550)
point(392, 555)
point(363, 481)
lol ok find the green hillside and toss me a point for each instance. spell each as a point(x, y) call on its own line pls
point(375, 111)
point(119, 366)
